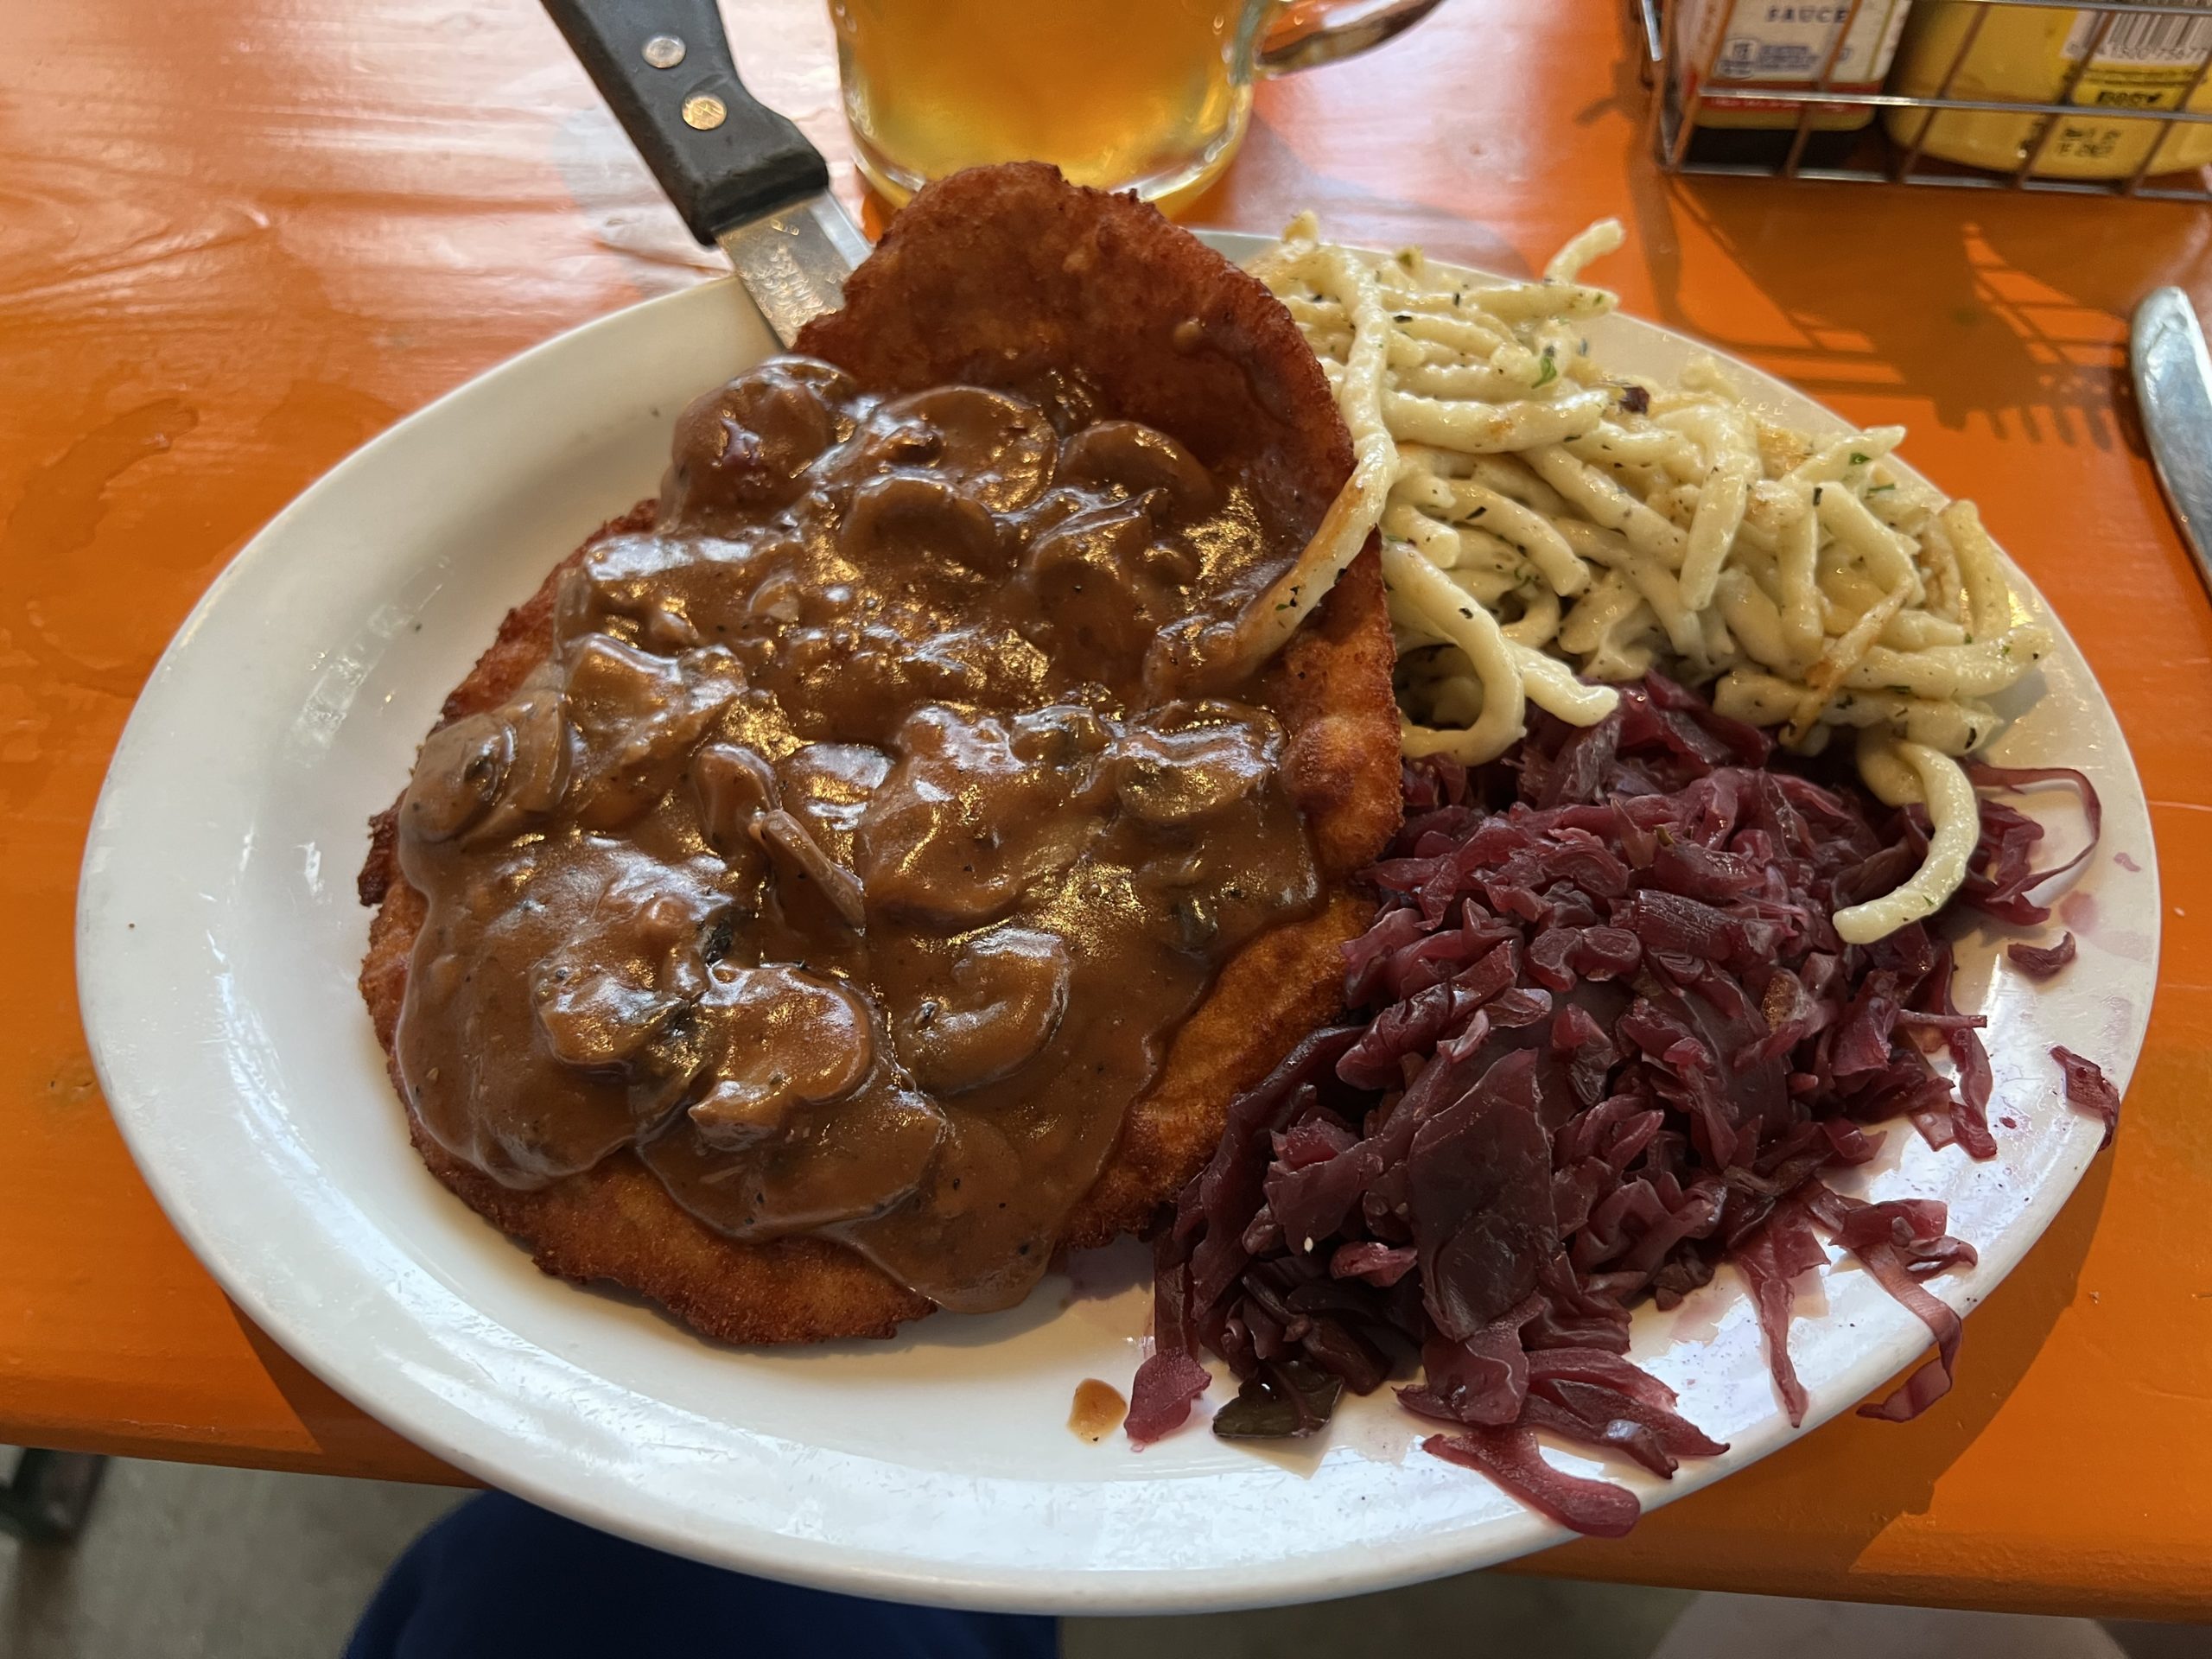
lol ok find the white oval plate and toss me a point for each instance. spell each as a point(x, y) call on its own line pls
point(218, 940)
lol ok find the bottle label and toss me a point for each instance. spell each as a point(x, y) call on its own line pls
point(2146, 40)
point(2146, 60)
point(1785, 44)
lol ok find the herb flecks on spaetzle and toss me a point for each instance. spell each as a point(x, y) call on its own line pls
point(1549, 525)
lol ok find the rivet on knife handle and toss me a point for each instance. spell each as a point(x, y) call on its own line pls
point(664, 68)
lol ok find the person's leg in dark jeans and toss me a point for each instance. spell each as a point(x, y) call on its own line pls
point(499, 1577)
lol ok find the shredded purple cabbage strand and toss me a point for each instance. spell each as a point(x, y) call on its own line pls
point(1606, 1037)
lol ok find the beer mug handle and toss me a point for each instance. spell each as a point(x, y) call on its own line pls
point(1314, 32)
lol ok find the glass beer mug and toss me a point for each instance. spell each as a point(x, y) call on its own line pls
point(1150, 95)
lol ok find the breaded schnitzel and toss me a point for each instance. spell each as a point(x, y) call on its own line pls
point(994, 278)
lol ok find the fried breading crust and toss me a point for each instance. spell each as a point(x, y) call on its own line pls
point(987, 278)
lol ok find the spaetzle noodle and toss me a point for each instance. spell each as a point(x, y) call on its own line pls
point(1549, 525)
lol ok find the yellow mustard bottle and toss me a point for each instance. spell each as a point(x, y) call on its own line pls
point(2146, 61)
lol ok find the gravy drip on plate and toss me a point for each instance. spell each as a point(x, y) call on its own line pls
point(854, 854)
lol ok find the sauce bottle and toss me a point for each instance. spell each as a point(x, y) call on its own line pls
point(1779, 44)
point(2142, 60)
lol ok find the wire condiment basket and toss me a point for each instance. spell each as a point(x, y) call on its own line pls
point(1878, 158)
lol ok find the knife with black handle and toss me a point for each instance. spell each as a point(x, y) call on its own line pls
point(740, 175)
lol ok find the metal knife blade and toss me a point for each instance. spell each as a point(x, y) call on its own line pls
point(2173, 391)
point(740, 175)
point(794, 261)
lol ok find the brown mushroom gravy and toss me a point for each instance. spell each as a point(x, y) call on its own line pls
point(857, 851)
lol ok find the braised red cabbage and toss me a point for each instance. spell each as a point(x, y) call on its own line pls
point(2042, 961)
point(2089, 1090)
point(2000, 882)
point(1605, 1037)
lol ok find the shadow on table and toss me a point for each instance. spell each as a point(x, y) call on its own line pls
point(2002, 324)
point(335, 1437)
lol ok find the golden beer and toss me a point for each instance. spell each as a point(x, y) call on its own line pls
point(1149, 94)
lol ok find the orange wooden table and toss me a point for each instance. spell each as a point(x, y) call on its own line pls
point(237, 239)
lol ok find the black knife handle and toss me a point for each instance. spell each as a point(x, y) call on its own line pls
point(751, 162)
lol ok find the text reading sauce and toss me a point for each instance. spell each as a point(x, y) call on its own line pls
point(854, 856)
